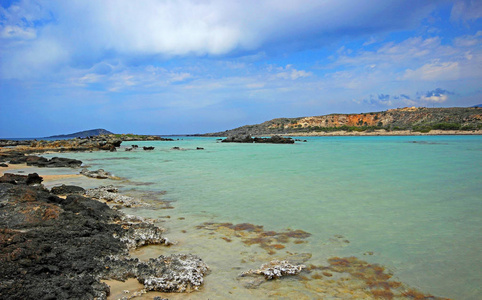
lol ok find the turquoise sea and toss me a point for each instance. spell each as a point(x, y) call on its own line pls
point(411, 204)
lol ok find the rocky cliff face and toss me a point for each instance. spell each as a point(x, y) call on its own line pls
point(410, 118)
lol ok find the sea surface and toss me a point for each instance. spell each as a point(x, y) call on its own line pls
point(410, 204)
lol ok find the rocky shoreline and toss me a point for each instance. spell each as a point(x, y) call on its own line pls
point(60, 243)
point(65, 242)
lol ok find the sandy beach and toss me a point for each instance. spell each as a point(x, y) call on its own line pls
point(27, 169)
point(388, 133)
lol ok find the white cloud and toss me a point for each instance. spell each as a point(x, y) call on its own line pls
point(12, 32)
point(290, 73)
point(466, 10)
point(434, 71)
point(434, 98)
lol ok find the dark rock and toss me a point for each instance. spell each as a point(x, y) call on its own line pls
point(29, 179)
point(67, 190)
point(238, 139)
point(199, 148)
point(54, 162)
point(107, 147)
point(55, 248)
point(36, 161)
point(116, 143)
point(18, 160)
point(148, 148)
point(33, 178)
point(3, 165)
point(276, 139)
point(58, 256)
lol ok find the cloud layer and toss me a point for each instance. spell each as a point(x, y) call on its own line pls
point(51, 33)
point(220, 64)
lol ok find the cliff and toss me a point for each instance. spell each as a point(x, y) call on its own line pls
point(417, 119)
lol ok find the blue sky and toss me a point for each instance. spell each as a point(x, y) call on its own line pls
point(196, 66)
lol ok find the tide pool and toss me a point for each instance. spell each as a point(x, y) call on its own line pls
point(412, 204)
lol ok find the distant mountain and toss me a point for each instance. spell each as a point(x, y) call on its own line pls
point(421, 119)
point(478, 105)
point(81, 134)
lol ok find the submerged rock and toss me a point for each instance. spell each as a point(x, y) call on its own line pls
point(273, 270)
point(99, 174)
point(276, 269)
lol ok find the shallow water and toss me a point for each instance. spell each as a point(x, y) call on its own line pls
point(412, 204)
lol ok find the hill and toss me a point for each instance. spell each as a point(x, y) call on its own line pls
point(417, 119)
point(81, 134)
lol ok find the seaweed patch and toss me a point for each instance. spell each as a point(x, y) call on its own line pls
point(251, 234)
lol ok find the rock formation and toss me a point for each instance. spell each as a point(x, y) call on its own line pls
point(276, 139)
point(99, 174)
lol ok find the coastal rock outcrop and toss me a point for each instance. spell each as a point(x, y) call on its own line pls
point(56, 248)
point(50, 247)
point(54, 162)
point(39, 161)
point(29, 179)
point(276, 139)
point(67, 190)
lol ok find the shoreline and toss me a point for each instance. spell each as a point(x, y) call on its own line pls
point(232, 232)
point(386, 133)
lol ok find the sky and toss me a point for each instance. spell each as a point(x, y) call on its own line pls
point(198, 66)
